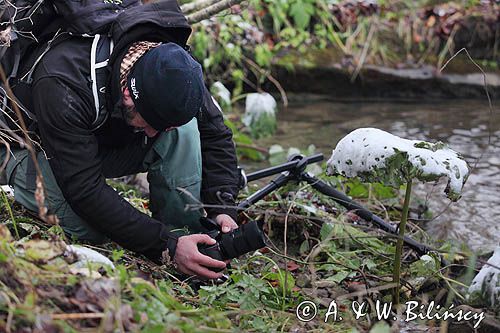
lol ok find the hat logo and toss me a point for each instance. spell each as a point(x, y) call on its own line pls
point(134, 89)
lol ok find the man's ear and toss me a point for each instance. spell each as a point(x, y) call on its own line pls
point(127, 99)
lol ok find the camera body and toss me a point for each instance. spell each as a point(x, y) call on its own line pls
point(248, 237)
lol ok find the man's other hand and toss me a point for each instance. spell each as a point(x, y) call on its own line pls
point(190, 261)
point(226, 223)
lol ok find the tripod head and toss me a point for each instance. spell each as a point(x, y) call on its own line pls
point(296, 165)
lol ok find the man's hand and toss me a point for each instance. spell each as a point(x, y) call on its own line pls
point(226, 223)
point(190, 261)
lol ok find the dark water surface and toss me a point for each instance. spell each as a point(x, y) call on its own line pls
point(464, 125)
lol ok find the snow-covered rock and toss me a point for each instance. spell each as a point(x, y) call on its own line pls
point(485, 288)
point(7, 189)
point(87, 256)
point(222, 95)
point(378, 156)
point(260, 114)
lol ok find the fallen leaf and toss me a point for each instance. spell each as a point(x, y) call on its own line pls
point(42, 250)
point(292, 266)
point(5, 233)
point(355, 286)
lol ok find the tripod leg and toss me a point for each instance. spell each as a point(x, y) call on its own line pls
point(276, 183)
point(361, 211)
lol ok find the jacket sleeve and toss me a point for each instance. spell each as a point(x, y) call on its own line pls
point(220, 173)
point(64, 123)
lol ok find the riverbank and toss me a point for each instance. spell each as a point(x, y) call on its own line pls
point(390, 49)
point(426, 82)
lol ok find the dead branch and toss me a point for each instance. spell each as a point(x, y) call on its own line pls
point(76, 316)
point(40, 194)
point(209, 11)
point(490, 103)
point(7, 155)
point(254, 147)
point(195, 6)
point(270, 78)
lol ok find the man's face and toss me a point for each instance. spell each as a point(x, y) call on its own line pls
point(133, 118)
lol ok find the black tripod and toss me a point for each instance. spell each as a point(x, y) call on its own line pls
point(294, 170)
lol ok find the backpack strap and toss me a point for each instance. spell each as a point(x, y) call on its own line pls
point(102, 47)
point(16, 48)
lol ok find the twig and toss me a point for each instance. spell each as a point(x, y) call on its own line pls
point(11, 308)
point(13, 135)
point(259, 149)
point(7, 154)
point(270, 78)
point(188, 8)
point(365, 292)
point(285, 244)
point(362, 58)
point(490, 103)
point(209, 11)
point(490, 120)
point(40, 185)
point(73, 316)
point(447, 48)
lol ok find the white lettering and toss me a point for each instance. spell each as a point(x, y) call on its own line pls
point(332, 310)
point(410, 306)
point(479, 316)
point(357, 308)
point(134, 89)
point(383, 314)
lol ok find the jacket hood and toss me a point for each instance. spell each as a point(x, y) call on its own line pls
point(155, 22)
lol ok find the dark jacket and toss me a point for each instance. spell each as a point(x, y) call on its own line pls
point(63, 104)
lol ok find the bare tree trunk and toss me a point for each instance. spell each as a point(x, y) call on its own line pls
point(209, 11)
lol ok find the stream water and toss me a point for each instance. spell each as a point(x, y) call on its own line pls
point(467, 126)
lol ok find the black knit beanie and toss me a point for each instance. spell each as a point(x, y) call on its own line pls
point(166, 85)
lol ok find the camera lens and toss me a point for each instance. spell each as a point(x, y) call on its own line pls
point(248, 237)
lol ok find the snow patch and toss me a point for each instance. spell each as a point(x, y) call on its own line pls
point(86, 256)
point(7, 189)
point(485, 288)
point(222, 94)
point(375, 155)
point(260, 114)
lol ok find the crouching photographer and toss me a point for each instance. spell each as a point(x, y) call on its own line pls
point(113, 94)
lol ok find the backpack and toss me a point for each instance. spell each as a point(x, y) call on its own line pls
point(37, 25)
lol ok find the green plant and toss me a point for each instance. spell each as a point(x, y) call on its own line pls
point(374, 155)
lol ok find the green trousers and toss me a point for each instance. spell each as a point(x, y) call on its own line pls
point(173, 163)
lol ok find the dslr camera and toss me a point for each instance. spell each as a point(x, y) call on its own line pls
point(248, 237)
